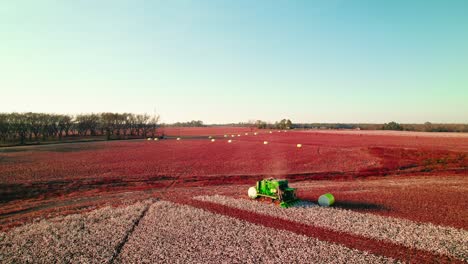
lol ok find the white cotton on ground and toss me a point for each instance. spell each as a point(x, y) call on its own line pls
point(172, 233)
point(79, 238)
point(425, 236)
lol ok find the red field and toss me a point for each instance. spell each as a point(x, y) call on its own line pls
point(203, 131)
point(413, 176)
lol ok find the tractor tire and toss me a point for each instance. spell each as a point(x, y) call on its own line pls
point(253, 192)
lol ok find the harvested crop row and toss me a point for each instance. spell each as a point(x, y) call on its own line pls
point(184, 234)
point(171, 158)
point(424, 236)
point(85, 238)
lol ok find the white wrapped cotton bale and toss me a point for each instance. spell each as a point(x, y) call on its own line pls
point(156, 139)
point(178, 138)
point(265, 142)
point(212, 140)
point(229, 141)
point(299, 145)
point(255, 133)
point(246, 134)
point(252, 192)
point(148, 139)
point(326, 200)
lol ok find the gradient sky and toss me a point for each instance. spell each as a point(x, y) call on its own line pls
point(231, 61)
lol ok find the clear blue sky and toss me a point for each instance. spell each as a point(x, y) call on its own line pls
point(230, 61)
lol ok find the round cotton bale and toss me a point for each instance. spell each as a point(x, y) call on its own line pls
point(212, 140)
point(326, 200)
point(271, 132)
point(252, 192)
point(209, 136)
point(255, 133)
point(156, 139)
point(148, 139)
point(265, 142)
point(178, 138)
point(225, 135)
point(238, 135)
point(229, 141)
point(246, 134)
point(233, 135)
point(299, 145)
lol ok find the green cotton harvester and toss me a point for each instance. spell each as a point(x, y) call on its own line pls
point(277, 190)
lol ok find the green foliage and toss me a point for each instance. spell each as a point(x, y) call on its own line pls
point(392, 126)
point(282, 124)
point(261, 124)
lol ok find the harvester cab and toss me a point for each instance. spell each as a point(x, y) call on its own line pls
point(275, 189)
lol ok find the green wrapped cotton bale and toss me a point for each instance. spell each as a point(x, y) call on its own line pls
point(326, 200)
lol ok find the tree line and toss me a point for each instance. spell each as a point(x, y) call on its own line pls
point(193, 123)
point(426, 127)
point(35, 127)
point(282, 124)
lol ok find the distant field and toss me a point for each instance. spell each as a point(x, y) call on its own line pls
point(203, 131)
point(415, 177)
point(390, 133)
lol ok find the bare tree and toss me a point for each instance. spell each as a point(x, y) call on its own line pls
point(108, 123)
point(4, 127)
point(153, 124)
point(142, 124)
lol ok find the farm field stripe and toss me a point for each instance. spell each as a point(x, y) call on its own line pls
point(377, 247)
point(129, 232)
point(184, 234)
point(424, 236)
point(86, 238)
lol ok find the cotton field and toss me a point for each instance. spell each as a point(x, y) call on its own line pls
point(177, 233)
point(85, 238)
point(443, 240)
point(184, 199)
